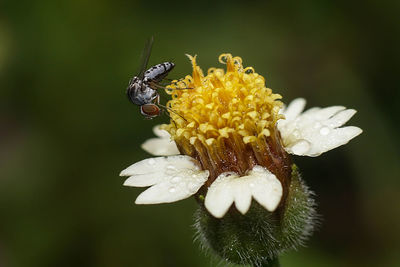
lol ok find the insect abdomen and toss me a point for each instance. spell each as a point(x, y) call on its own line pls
point(159, 71)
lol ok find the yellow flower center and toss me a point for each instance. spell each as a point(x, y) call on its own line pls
point(226, 119)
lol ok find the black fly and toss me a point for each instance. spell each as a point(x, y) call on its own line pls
point(142, 89)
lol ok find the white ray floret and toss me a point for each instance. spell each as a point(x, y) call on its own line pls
point(230, 188)
point(316, 130)
point(171, 178)
point(161, 145)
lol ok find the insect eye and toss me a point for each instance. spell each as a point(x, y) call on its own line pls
point(150, 110)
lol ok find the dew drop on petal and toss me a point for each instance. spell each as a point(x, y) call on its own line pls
point(192, 187)
point(251, 185)
point(176, 179)
point(169, 172)
point(171, 167)
point(296, 134)
point(317, 125)
point(301, 147)
point(172, 189)
point(151, 162)
point(324, 131)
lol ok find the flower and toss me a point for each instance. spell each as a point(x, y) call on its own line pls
point(228, 144)
point(233, 136)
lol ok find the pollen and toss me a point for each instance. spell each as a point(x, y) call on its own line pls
point(227, 118)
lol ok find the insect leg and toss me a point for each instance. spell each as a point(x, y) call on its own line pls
point(163, 87)
point(173, 111)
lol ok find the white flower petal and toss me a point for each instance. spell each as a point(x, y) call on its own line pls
point(160, 147)
point(300, 147)
point(316, 130)
point(220, 195)
point(242, 194)
point(341, 118)
point(159, 132)
point(295, 108)
point(143, 180)
point(174, 188)
point(267, 189)
point(335, 138)
point(173, 178)
point(160, 164)
point(326, 113)
point(259, 183)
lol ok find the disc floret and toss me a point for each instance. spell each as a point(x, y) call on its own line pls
point(227, 119)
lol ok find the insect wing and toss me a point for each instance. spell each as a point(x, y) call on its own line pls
point(144, 60)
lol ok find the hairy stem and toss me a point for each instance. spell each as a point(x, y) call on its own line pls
point(271, 263)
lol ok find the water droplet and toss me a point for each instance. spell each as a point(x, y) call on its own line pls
point(251, 185)
point(324, 131)
point(176, 179)
point(192, 187)
point(170, 170)
point(151, 162)
point(317, 125)
point(194, 175)
point(301, 147)
point(296, 133)
point(172, 189)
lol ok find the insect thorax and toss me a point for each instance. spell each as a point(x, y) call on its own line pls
point(140, 93)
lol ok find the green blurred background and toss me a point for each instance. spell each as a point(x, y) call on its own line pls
point(67, 128)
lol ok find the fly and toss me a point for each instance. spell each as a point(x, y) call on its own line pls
point(142, 89)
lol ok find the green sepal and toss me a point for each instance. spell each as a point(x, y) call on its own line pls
point(259, 237)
